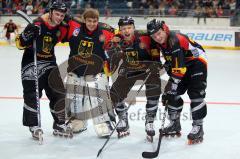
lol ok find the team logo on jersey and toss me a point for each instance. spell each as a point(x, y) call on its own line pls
point(195, 53)
point(154, 52)
point(47, 44)
point(76, 32)
point(168, 58)
point(132, 57)
point(85, 48)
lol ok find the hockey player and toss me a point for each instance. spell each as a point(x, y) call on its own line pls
point(86, 83)
point(133, 48)
point(10, 27)
point(47, 30)
point(187, 68)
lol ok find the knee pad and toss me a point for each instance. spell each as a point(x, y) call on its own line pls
point(195, 94)
point(177, 102)
point(175, 105)
point(152, 106)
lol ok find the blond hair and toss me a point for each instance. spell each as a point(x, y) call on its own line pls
point(90, 13)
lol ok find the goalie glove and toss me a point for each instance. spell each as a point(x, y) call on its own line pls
point(155, 67)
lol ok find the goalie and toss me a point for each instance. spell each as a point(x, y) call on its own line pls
point(87, 85)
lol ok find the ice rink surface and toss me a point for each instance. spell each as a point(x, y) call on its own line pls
point(221, 126)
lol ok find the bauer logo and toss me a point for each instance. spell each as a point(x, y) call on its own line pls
point(210, 37)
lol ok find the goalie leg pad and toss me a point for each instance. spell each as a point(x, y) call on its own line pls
point(75, 99)
point(101, 106)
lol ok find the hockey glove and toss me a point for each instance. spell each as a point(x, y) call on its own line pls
point(155, 67)
point(166, 97)
point(170, 91)
point(30, 32)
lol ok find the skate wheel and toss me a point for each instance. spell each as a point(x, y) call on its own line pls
point(54, 133)
point(197, 141)
point(179, 134)
point(68, 136)
point(190, 142)
point(123, 134)
point(166, 135)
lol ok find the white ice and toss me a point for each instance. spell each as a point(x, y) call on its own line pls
point(221, 126)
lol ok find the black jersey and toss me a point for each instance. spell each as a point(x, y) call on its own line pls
point(137, 54)
point(87, 48)
point(46, 41)
point(180, 52)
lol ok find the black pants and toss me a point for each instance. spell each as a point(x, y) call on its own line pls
point(123, 84)
point(49, 80)
point(195, 83)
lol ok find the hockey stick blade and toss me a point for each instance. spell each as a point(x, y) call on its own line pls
point(155, 153)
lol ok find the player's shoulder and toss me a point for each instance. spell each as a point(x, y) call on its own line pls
point(41, 19)
point(105, 26)
point(141, 33)
point(75, 23)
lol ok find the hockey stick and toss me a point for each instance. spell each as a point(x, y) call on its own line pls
point(154, 154)
point(74, 114)
point(29, 20)
point(130, 104)
point(74, 103)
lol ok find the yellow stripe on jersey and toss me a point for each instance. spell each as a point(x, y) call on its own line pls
point(179, 71)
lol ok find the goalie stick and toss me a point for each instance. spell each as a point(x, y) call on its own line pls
point(29, 20)
point(130, 104)
point(155, 153)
